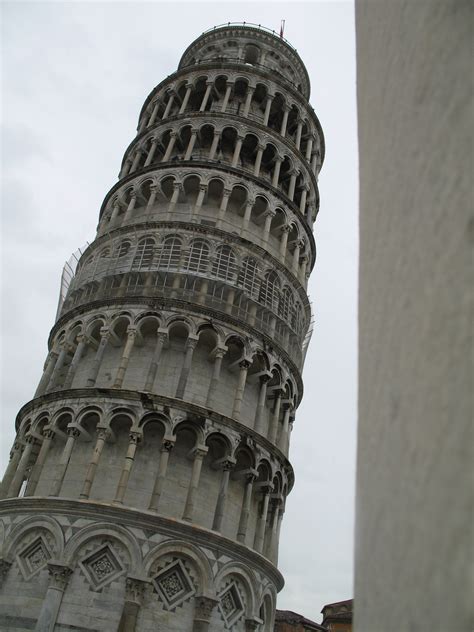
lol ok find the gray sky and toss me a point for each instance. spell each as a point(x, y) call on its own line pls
point(74, 77)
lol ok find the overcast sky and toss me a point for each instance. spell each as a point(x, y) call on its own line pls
point(74, 78)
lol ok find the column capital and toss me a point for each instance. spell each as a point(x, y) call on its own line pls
point(286, 228)
point(104, 333)
point(270, 212)
point(59, 575)
point(4, 567)
point(191, 342)
point(251, 476)
point(252, 624)
point(219, 352)
point(167, 445)
point(74, 432)
point(228, 464)
point(226, 192)
point(245, 364)
point(200, 451)
point(131, 332)
point(135, 588)
point(173, 134)
point(135, 437)
point(103, 433)
point(204, 606)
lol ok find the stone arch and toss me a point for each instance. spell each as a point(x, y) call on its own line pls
point(87, 413)
point(109, 531)
point(186, 425)
point(267, 609)
point(155, 417)
point(29, 524)
point(247, 579)
point(189, 551)
point(40, 421)
point(24, 428)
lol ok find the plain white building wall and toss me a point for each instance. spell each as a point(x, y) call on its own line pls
point(414, 481)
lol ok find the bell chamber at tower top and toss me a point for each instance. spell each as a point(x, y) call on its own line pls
point(217, 193)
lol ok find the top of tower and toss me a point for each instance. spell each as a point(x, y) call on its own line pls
point(254, 44)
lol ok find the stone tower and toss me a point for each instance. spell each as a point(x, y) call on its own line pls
point(148, 478)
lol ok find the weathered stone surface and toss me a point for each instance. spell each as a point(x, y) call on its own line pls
point(414, 501)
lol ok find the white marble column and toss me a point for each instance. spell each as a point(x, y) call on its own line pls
point(205, 98)
point(19, 475)
point(199, 454)
point(48, 435)
point(15, 456)
point(299, 129)
point(134, 439)
point(73, 434)
point(246, 506)
point(59, 575)
point(183, 378)
point(269, 215)
point(191, 143)
point(166, 447)
point(258, 160)
point(276, 170)
point(48, 369)
point(151, 153)
point(162, 336)
point(284, 123)
point(216, 373)
point(102, 436)
point(81, 344)
point(94, 371)
point(262, 398)
point(189, 87)
point(284, 240)
point(239, 393)
point(238, 147)
point(262, 518)
point(131, 336)
point(169, 105)
point(215, 143)
point(136, 160)
point(153, 114)
point(226, 96)
point(273, 431)
point(268, 106)
point(170, 147)
point(248, 100)
point(219, 512)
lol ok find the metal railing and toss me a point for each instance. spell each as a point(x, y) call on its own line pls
point(258, 27)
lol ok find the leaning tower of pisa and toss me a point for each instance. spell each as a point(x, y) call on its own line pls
point(147, 481)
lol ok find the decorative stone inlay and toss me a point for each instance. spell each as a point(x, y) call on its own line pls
point(231, 604)
point(102, 567)
point(34, 557)
point(174, 585)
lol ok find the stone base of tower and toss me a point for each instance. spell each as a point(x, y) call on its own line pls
point(73, 565)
